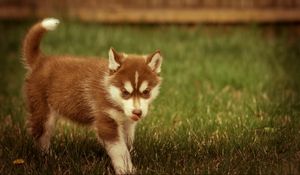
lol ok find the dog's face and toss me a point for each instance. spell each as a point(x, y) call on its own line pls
point(134, 81)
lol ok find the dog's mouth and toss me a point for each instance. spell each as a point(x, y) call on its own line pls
point(135, 117)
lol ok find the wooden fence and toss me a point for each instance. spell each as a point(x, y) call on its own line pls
point(156, 11)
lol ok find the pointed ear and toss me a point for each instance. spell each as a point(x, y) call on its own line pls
point(114, 60)
point(154, 61)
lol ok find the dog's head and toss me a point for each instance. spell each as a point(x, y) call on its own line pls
point(134, 81)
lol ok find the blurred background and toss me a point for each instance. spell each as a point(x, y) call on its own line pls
point(229, 101)
point(156, 11)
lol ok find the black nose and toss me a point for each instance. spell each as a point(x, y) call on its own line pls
point(137, 112)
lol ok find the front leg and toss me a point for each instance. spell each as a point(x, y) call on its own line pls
point(120, 156)
point(111, 134)
point(129, 129)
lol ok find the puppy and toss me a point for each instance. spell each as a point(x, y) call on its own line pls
point(108, 95)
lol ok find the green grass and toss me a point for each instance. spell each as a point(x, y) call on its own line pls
point(229, 102)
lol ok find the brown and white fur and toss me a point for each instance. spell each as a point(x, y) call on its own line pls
point(108, 95)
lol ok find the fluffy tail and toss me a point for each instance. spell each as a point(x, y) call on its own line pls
point(31, 45)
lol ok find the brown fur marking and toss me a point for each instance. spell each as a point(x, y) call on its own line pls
point(61, 83)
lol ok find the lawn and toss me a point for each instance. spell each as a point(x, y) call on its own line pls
point(229, 101)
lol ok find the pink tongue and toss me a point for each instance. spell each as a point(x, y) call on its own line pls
point(135, 117)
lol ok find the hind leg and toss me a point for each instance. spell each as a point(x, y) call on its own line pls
point(41, 124)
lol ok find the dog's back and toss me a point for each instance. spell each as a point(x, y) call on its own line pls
point(62, 85)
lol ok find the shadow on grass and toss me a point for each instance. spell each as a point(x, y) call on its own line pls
point(70, 153)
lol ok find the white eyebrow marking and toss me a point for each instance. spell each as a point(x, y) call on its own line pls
point(128, 86)
point(143, 86)
point(136, 79)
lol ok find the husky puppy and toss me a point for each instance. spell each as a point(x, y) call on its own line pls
point(109, 95)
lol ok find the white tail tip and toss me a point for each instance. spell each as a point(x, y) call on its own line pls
point(50, 23)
